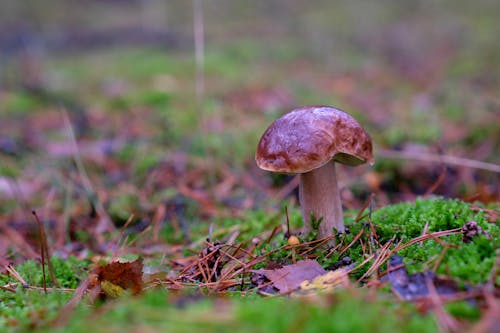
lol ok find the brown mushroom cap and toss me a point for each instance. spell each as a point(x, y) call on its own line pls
point(309, 137)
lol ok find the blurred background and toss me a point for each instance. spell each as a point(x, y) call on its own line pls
point(154, 108)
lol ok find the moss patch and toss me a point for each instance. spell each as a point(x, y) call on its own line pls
point(344, 312)
point(407, 220)
point(28, 309)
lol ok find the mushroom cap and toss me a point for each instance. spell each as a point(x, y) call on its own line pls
point(309, 137)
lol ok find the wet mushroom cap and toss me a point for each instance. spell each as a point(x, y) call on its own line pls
point(309, 137)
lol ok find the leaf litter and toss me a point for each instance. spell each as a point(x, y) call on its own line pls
point(290, 277)
point(228, 266)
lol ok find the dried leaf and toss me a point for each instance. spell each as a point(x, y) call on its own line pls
point(290, 277)
point(328, 281)
point(118, 276)
point(112, 290)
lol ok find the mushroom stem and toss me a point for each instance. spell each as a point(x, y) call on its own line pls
point(319, 195)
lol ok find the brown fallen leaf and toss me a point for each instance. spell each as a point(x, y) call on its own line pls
point(116, 277)
point(289, 277)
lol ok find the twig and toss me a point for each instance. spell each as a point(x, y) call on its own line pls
point(105, 221)
point(199, 48)
point(380, 257)
point(216, 234)
point(120, 237)
point(428, 236)
point(203, 267)
point(243, 268)
point(68, 308)
point(435, 158)
point(239, 248)
point(446, 321)
point(354, 240)
point(334, 250)
point(367, 203)
point(15, 274)
point(287, 233)
point(273, 233)
point(440, 258)
point(424, 232)
point(489, 320)
point(42, 251)
point(12, 286)
point(438, 181)
point(449, 298)
point(9, 287)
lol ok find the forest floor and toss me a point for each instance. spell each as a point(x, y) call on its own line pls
point(130, 198)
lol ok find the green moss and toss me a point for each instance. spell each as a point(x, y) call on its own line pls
point(401, 222)
point(27, 309)
point(68, 272)
point(406, 221)
point(160, 311)
point(463, 309)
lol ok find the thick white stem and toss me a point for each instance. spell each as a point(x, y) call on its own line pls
point(320, 196)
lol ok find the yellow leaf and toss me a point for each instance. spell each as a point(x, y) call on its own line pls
point(111, 290)
point(327, 281)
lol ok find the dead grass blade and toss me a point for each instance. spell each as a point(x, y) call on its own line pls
point(367, 204)
point(438, 181)
point(355, 239)
point(381, 256)
point(9, 287)
point(105, 223)
point(12, 271)
point(44, 252)
point(12, 287)
point(19, 242)
point(489, 320)
point(445, 321)
point(65, 313)
point(434, 236)
point(120, 238)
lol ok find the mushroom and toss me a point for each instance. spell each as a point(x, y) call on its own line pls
point(309, 141)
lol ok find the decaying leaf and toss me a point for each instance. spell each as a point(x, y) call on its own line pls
point(289, 278)
point(328, 281)
point(112, 290)
point(116, 277)
point(415, 286)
